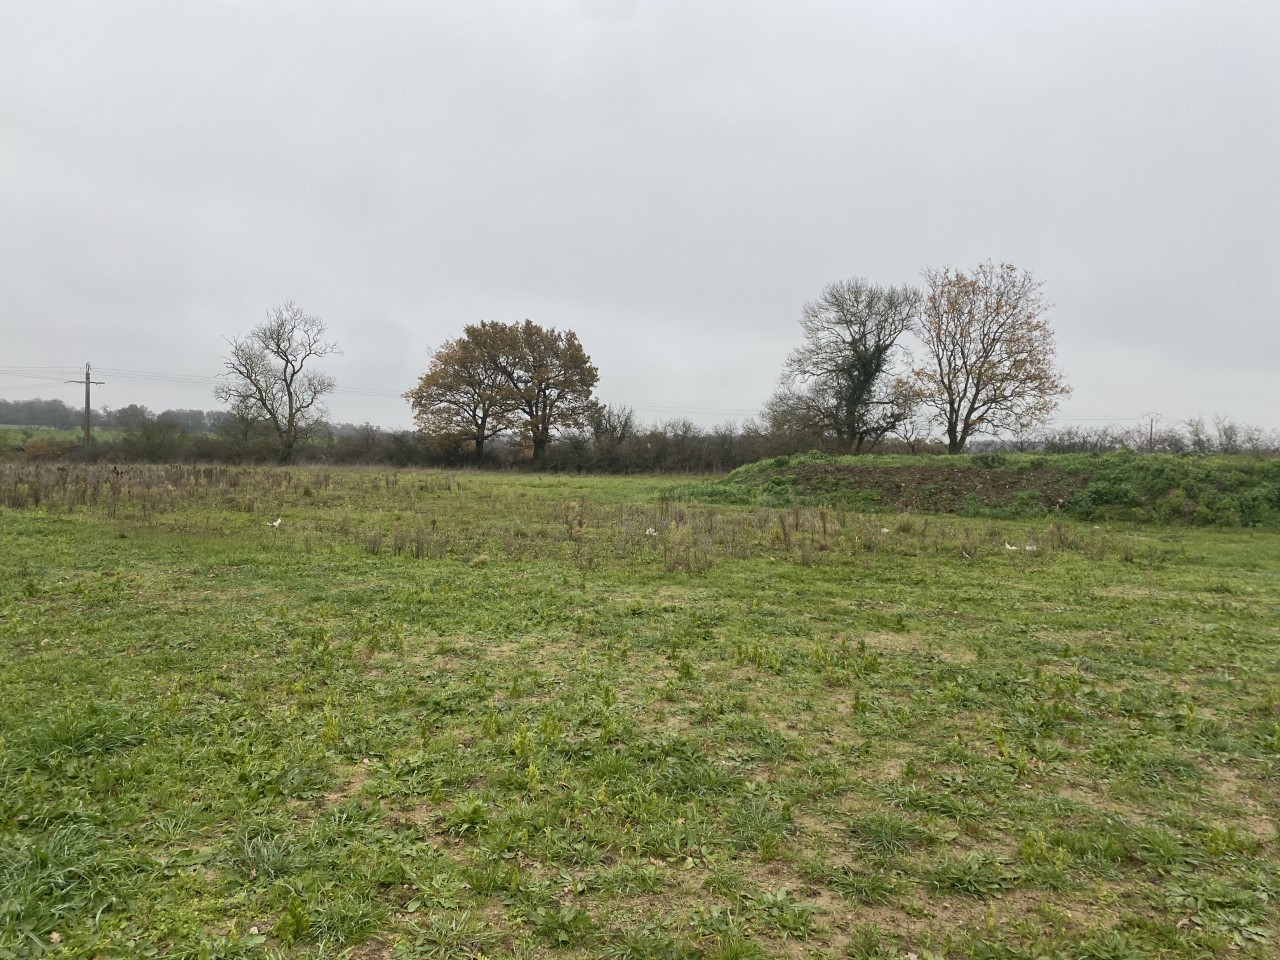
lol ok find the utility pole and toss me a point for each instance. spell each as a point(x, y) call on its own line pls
point(1151, 431)
point(88, 426)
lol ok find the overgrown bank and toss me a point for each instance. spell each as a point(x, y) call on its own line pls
point(1218, 491)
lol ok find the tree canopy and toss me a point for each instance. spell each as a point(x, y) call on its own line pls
point(501, 377)
point(461, 400)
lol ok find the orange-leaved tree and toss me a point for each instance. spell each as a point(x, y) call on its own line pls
point(505, 376)
point(549, 379)
point(462, 398)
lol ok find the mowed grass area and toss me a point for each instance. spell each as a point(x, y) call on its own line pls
point(460, 715)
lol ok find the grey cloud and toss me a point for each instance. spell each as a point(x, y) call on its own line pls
point(671, 180)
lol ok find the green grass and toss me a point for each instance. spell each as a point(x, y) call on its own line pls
point(464, 715)
point(1226, 491)
point(30, 431)
point(14, 439)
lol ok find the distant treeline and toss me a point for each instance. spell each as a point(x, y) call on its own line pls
point(614, 442)
point(56, 414)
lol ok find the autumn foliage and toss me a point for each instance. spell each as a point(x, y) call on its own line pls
point(502, 377)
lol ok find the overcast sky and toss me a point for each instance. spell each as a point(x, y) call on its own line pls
point(672, 180)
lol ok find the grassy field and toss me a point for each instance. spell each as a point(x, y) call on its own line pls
point(480, 715)
point(13, 440)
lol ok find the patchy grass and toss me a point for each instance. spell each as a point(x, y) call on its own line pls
point(456, 715)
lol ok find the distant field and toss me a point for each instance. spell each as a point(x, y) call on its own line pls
point(21, 433)
point(459, 715)
point(17, 436)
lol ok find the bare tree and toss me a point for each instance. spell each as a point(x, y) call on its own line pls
point(1253, 439)
point(990, 352)
point(1198, 436)
point(612, 428)
point(801, 417)
point(267, 378)
point(1230, 435)
point(914, 432)
point(838, 381)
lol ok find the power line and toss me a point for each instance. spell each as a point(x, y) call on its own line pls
point(152, 376)
point(719, 411)
point(36, 376)
point(1104, 419)
point(57, 374)
point(147, 375)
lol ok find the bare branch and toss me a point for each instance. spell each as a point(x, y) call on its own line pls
point(265, 377)
point(838, 382)
point(991, 353)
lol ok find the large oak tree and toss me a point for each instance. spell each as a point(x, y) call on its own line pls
point(462, 398)
point(502, 376)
